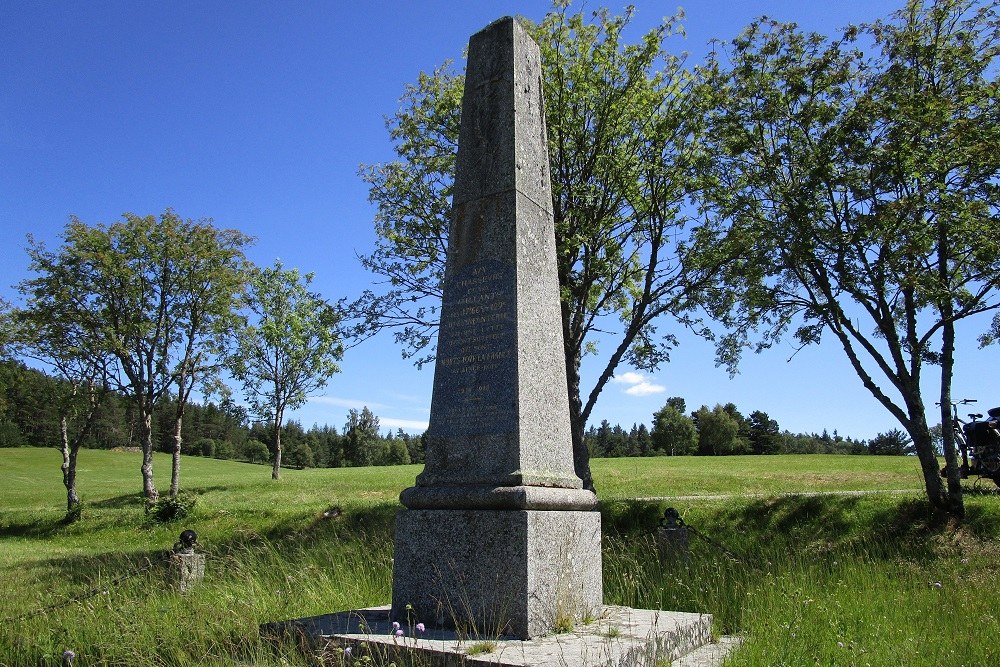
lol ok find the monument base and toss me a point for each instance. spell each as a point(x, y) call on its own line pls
point(489, 573)
point(618, 637)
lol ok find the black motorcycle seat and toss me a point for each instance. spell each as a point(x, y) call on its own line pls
point(994, 412)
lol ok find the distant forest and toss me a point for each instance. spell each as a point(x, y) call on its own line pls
point(224, 430)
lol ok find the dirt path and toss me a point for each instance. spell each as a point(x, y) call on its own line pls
point(728, 496)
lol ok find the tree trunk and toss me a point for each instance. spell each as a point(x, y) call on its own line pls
point(175, 463)
point(71, 450)
point(929, 466)
point(953, 501)
point(146, 434)
point(69, 468)
point(276, 469)
point(581, 456)
point(175, 467)
point(952, 498)
point(72, 499)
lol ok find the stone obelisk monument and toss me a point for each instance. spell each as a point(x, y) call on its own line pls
point(498, 536)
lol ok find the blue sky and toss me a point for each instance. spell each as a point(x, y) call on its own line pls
point(257, 114)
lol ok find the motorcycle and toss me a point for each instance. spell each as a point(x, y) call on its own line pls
point(979, 442)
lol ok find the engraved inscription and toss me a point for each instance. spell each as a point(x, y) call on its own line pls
point(476, 353)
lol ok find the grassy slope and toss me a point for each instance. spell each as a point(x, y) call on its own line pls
point(686, 475)
point(106, 479)
point(810, 571)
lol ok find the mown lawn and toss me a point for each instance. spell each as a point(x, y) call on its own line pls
point(831, 580)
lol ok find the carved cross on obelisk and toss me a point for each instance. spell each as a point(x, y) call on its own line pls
point(499, 535)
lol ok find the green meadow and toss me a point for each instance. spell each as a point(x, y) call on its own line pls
point(873, 579)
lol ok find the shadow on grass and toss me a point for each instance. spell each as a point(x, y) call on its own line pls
point(884, 527)
point(138, 500)
point(39, 528)
point(119, 502)
point(353, 524)
point(289, 539)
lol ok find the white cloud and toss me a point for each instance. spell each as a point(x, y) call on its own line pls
point(629, 378)
point(645, 389)
point(639, 384)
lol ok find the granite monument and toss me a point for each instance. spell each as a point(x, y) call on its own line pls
point(498, 536)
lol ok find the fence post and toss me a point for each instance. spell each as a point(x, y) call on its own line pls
point(672, 537)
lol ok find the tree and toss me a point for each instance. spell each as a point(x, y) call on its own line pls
point(864, 194)
point(134, 292)
point(301, 456)
point(764, 433)
point(891, 443)
point(361, 438)
point(642, 441)
point(718, 432)
point(288, 348)
point(620, 142)
point(617, 442)
point(43, 332)
point(674, 432)
point(742, 442)
point(210, 270)
point(678, 402)
point(255, 451)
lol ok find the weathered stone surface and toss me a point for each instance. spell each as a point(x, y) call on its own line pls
point(498, 498)
point(501, 543)
point(502, 143)
point(500, 410)
point(186, 571)
point(617, 637)
point(512, 573)
point(500, 536)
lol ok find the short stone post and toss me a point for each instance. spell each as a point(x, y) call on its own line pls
point(672, 537)
point(186, 568)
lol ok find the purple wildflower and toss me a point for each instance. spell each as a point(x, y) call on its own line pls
point(399, 633)
point(395, 625)
point(420, 627)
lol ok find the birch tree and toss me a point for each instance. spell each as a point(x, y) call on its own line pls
point(288, 348)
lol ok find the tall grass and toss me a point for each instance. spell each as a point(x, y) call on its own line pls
point(831, 580)
point(822, 580)
point(260, 574)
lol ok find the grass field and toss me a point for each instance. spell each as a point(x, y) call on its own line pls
point(831, 580)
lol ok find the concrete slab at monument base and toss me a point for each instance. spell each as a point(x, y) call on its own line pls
point(619, 637)
point(487, 572)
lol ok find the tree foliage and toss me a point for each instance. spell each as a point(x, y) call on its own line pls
point(674, 433)
point(288, 348)
point(863, 193)
point(890, 443)
point(718, 432)
point(134, 299)
point(763, 433)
